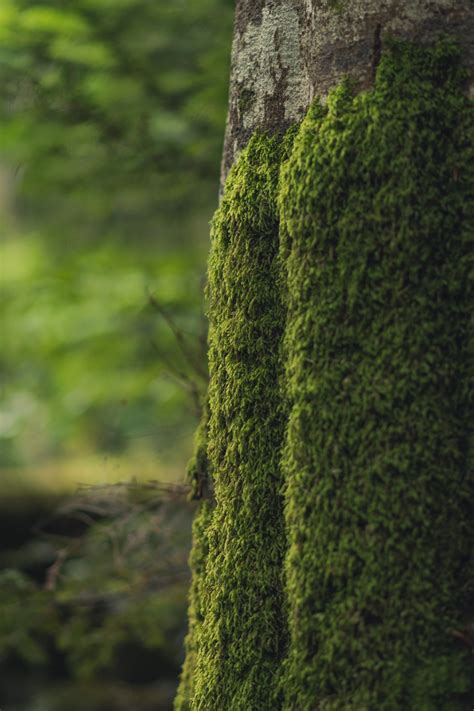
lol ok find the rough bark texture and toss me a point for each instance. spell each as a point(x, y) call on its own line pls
point(286, 52)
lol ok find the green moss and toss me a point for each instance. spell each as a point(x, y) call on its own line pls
point(376, 207)
point(243, 634)
point(199, 476)
point(337, 6)
point(199, 470)
point(196, 609)
point(377, 216)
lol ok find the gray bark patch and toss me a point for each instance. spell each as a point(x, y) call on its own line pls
point(285, 52)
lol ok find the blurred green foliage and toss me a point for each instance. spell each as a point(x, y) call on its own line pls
point(108, 598)
point(111, 122)
point(119, 101)
point(27, 619)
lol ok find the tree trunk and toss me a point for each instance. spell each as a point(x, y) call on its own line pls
point(287, 52)
point(335, 569)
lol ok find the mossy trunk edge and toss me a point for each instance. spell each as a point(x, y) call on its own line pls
point(338, 570)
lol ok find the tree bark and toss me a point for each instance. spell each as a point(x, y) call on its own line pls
point(287, 52)
point(335, 569)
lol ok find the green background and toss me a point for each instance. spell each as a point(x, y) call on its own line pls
point(112, 116)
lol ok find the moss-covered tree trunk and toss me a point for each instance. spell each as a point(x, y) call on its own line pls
point(333, 568)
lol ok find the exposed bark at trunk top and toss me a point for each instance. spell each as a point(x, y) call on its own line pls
point(286, 52)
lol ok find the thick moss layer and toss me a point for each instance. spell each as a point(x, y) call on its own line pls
point(199, 476)
point(243, 634)
point(196, 609)
point(377, 210)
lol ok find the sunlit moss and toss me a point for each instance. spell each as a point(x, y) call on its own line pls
point(243, 633)
point(196, 605)
point(199, 476)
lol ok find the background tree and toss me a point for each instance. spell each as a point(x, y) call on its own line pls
point(362, 296)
